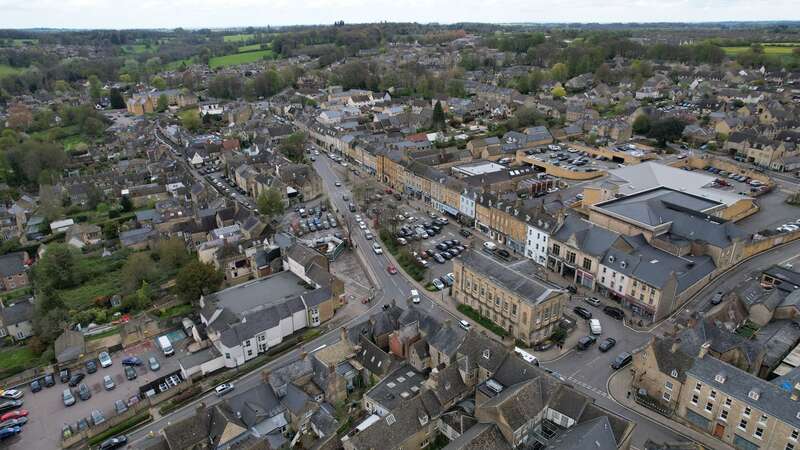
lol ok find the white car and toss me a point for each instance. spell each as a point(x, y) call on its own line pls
point(358, 217)
point(464, 324)
point(338, 184)
point(362, 225)
point(491, 246)
point(415, 296)
point(12, 394)
point(791, 227)
point(223, 389)
point(437, 283)
point(377, 248)
point(105, 359)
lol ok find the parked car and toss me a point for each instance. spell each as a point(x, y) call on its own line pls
point(585, 342)
point(8, 405)
point(105, 359)
point(36, 386)
point(504, 253)
point(130, 373)
point(131, 361)
point(114, 442)
point(91, 366)
point(437, 283)
point(120, 406)
point(465, 233)
point(97, 417)
point(108, 383)
point(717, 298)
point(133, 400)
point(67, 397)
point(594, 326)
point(607, 344)
point(75, 379)
point(594, 301)
point(449, 279)
point(491, 246)
point(50, 380)
point(415, 296)
point(18, 422)
point(223, 389)
point(622, 360)
point(12, 394)
point(7, 432)
point(152, 362)
point(582, 312)
point(64, 375)
point(614, 312)
point(82, 424)
point(464, 324)
point(84, 393)
point(14, 415)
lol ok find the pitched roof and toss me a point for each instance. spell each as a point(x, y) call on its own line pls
point(12, 264)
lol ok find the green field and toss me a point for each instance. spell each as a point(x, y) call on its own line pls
point(240, 58)
point(768, 50)
point(21, 42)
point(237, 37)
point(138, 48)
point(8, 70)
point(249, 48)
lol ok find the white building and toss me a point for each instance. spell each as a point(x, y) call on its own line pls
point(536, 244)
point(467, 204)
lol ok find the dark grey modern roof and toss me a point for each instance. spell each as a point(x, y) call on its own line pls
point(259, 320)
point(514, 277)
point(401, 384)
point(447, 339)
point(261, 293)
point(12, 264)
point(588, 237)
point(375, 360)
point(595, 434)
point(482, 436)
point(645, 207)
point(17, 313)
point(256, 404)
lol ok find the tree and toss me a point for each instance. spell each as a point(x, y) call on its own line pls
point(20, 117)
point(95, 88)
point(116, 99)
point(292, 147)
point(163, 103)
point(558, 91)
point(93, 126)
point(57, 268)
point(641, 125)
point(270, 202)
point(158, 83)
point(139, 300)
point(61, 86)
point(126, 204)
point(455, 88)
point(438, 122)
point(190, 119)
point(172, 253)
point(666, 130)
point(49, 315)
point(603, 73)
point(196, 279)
point(559, 72)
point(138, 268)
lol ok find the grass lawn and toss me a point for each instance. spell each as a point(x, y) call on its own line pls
point(174, 65)
point(237, 37)
point(249, 48)
point(177, 310)
point(21, 42)
point(17, 357)
point(138, 48)
point(6, 70)
point(782, 51)
point(104, 334)
point(240, 58)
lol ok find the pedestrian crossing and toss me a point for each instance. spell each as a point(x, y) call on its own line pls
point(588, 387)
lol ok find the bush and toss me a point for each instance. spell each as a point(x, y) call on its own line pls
point(120, 428)
point(483, 321)
point(559, 334)
point(113, 214)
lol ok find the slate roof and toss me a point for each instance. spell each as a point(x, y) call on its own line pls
point(405, 421)
point(12, 264)
point(473, 351)
point(447, 340)
point(480, 437)
point(595, 434)
point(589, 238)
point(255, 405)
point(17, 313)
point(514, 277)
point(375, 360)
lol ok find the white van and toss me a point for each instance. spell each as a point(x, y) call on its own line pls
point(594, 325)
point(166, 346)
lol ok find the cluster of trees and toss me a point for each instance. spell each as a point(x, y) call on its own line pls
point(270, 203)
point(265, 84)
point(293, 147)
point(665, 130)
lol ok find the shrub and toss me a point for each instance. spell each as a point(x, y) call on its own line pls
point(120, 428)
point(483, 321)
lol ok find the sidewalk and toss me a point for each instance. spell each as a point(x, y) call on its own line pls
point(619, 386)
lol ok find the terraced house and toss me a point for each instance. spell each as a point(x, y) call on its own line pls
point(527, 307)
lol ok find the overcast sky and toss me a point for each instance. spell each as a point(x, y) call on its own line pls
point(237, 13)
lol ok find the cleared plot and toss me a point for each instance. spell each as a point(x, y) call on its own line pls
point(240, 58)
point(237, 37)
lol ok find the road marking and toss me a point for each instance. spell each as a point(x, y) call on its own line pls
point(589, 387)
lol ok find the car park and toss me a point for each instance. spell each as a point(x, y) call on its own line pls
point(83, 392)
point(67, 397)
point(621, 360)
point(105, 359)
point(614, 312)
point(607, 344)
point(223, 389)
point(585, 342)
point(582, 312)
point(76, 378)
point(12, 394)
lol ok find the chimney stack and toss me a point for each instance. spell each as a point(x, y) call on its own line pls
point(704, 349)
point(676, 343)
point(343, 333)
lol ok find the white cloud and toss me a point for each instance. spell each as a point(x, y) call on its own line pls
point(229, 13)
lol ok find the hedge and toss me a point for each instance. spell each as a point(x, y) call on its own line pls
point(483, 321)
point(120, 428)
point(181, 399)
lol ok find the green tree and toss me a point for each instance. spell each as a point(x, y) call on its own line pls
point(61, 86)
point(163, 103)
point(172, 253)
point(455, 88)
point(138, 268)
point(49, 315)
point(559, 72)
point(666, 130)
point(270, 202)
point(196, 279)
point(95, 87)
point(292, 147)
point(139, 300)
point(116, 99)
point(558, 91)
point(603, 73)
point(438, 122)
point(126, 204)
point(158, 83)
point(190, 119)
point(641, 125)
point(57, 268)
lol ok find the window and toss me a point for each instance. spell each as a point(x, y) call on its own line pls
point(747, 411)
point(712, 395)
point(794, 435)
point(635, 283)
point(604, 270)
point(723, 415)
point(587, 263)
point(556, 249)
point(709, 406)
point(695, 399)
point(698, 386)
point(759, 434)
point(666, 396)
point(249, 353)
point(513, 310)
point(227, 356)
point(728, 402)
point(764, 418)
point(571, 257)
point(743, 424)
point(668, 385)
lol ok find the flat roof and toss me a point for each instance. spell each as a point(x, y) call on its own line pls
point(644, 207)
point(261, 293)
point(478, 168)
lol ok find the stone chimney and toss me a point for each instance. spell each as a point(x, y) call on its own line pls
point(704, 349)
point(676, 344)
point(796, 392)
point(343, 333)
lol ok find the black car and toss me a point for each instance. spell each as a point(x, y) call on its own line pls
point(449, 243)
point(76, 379)
point(115, 442)
point(64, 375)
point(582, 312)
point(84, 393)
point(441, 246)
point(91, 366)
point(504, 253)
point(36, 386)
point(439, 258)
point(607, 344)
point(130, 373)
point(614, 312)
point(621, 360)
point(456, 242)
point(49, 380)
point(447, 255)
point(430, 252)
point(465, 233)
point(585, 342)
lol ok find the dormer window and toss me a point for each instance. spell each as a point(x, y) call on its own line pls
point(486, 353)
point(754, 394)
point(611, 258)
point(719, 378)
point(674, 373)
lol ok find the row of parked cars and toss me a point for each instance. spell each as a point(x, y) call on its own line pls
point(420, 231)
point(443, 281)
point(445, 250)
point(12, 417)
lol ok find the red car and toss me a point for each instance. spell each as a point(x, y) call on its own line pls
point(14, 415)
point(392, 270)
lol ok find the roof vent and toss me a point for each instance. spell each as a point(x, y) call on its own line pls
point(623, 264)
point(754, 394)
point(674, 373)
point(390, 420)
point(720, 378)
point(611, 258)
point(487, 354)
